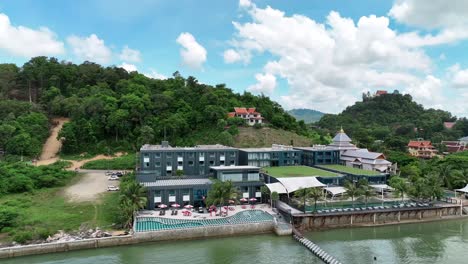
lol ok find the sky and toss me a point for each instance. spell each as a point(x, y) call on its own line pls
point(303, 54)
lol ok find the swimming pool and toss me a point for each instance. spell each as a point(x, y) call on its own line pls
point(145, 224)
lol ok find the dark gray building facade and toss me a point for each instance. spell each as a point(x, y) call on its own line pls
point(313, 156)
point(277, 155)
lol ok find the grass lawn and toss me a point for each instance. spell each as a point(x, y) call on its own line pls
point(297, 171)
point(44, 212)
point(351, 170)
point(126, 162)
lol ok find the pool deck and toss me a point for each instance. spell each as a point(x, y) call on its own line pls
point(197, 216)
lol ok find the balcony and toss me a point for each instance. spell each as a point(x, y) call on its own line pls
point(201, 158)
point(168, 168)
point(186, 198)
point(180, 167)
point(222, 158)
point(146, 160)
point(172, 199)
point(180, 159)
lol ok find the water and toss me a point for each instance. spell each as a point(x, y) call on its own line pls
point(443, 242)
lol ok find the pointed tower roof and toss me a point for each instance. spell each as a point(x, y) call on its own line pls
point(342, 141)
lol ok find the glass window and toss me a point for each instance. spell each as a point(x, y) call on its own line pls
point(235, 177)
point(191, 154)
point(232, 162)
point(211, 162)
point(202, 162)
point(212, 154)
point(169, 163)
point(190, 163)
point(172, 192)
point(158, 155)
point(253, 176)
point(201, 154)
point(179, 155)
point(158, 164)
point(146, 164)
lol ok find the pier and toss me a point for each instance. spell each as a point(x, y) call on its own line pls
point(314, 248)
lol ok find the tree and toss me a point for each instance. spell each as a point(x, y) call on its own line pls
point(303, 194)
point(221, 192)
point(265, 192)
point(132, 198)
point(351, 190)
point(316, 194)
point(418, 188)
point(367, 192)
point(460, 178)
point(179, 173)
point(400, 185)
point(445, 172)
point(274, 197)
point(434, 186)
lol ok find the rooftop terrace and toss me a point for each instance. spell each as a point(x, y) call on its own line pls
point(350, 170)
point(297, 171)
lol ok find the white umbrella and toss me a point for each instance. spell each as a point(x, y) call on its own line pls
point(253, 199)
point(188, 206)
point(162, 206)
point(243, 200)
point(176, 205)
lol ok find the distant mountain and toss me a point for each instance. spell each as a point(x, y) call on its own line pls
point(308, 115)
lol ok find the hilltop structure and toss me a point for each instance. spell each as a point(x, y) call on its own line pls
point(250, 115)
point(421, 149)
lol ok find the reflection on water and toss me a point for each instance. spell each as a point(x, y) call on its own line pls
point(437, 242)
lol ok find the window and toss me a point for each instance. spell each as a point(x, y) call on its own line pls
point(157, 164)
point(158, 154)
point(253, 176)
point(146, 164)
point(191, 154)
point(169, 155)
point(235, 177)
point(190, 163)
point(201, 154)
point(179, 163)
point(179, 155)
point(233, 154)
point(169, 163)
point(232, 162)
point(202, 162)
point(212, 154)
point(211, 162)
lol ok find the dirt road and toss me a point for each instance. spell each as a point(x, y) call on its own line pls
point(52, 145)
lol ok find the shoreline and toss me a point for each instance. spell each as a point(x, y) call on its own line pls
point(199, 233)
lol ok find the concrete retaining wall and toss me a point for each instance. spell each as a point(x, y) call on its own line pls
point(309, 222)
point(177, 234)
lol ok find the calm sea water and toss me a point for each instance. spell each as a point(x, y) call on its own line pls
point(436, 242)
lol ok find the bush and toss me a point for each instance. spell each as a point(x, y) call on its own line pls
point(8, 217)
point(126, 162)
point(22, 237)
point(43, 233)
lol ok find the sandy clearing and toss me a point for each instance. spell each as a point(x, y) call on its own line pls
point(89, 187)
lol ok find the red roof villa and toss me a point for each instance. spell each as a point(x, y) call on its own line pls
point(250, 115)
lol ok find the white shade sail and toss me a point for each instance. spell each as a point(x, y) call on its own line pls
point(276, 187)
point(293, 184)
point(464, 189)
point(335, 190)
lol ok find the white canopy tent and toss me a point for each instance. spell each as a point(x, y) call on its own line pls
point(381, 188)
point(276, 187)
point(335, 190)
point(293, 184)
point(463, 190)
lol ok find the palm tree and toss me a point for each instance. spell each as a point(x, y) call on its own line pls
point(434, 186)
point(316, 194)
point(460, 178)
point(446, 174)
point(367, 192)
point(221, 192)
point(302, 194)
point(351, 190)
point(265, 191)
point(132, 198)
point(418, 187)
point(400, 186)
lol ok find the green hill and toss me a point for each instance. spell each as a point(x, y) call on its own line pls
point(395, 119)
point(306, 115)
point(265, 137)
point(112, 110)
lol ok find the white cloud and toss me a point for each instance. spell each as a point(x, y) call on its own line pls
point(128, 67)
point(428, 92)
point(327, 66)
point(90, 48)
point(130, 55)
point(27, 42)
point(155, 75)
point(193, 54)
point(245, 3)
point(266, 84)
point(459, 77)
point(431, 14)
point(231, 56)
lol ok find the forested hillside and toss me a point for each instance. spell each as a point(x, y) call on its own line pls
point(307, 115)
point(112, 110)
point(395, 119)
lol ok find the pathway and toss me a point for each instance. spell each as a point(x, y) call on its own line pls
point(52, 144)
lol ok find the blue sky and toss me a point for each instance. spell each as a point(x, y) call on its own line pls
point(314, 54)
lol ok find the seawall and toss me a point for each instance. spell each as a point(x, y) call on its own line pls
point(140, 237)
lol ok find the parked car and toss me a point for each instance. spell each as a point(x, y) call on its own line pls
point(201, 210)
point(118, 174)
point(109, 173)
point(112, 188)
point(113, 178)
